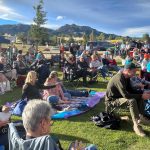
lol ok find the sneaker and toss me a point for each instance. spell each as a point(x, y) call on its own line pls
point(143, 120)
point(125, 118)
point(139, 131)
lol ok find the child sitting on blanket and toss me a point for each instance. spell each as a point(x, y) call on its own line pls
point(55, 95)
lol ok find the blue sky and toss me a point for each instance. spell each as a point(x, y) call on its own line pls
point(122, 17)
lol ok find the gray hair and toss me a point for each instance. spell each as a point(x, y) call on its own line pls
point(34, 112)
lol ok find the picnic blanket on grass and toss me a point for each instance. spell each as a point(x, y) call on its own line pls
point(77, 105)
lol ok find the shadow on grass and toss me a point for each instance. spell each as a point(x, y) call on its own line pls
point(69, 138)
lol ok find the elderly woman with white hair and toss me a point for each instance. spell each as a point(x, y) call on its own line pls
point(37, 123)
point(36, 118)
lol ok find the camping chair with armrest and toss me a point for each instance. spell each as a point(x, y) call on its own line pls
point(70, 77)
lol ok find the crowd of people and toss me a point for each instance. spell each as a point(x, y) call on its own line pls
point(44, 90)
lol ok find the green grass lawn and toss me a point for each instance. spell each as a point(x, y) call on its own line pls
point(81, 128)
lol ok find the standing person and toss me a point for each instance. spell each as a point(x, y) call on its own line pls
point(119, 92)
point(14, 51)
point(62, 49)
point(9, 54)
point(31, 87)
point(20, 65)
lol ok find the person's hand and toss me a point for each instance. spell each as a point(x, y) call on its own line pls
point(145, 96)
point(5, 109)
point(78, 146)
point(3, 123)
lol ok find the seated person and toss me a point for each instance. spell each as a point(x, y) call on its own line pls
point(69, 68)
point(54, 95)
point(139, 85)
point(145, 62)
point(96, 65)
point(31, 88)
point(3, 124)
point(86, 55)
point(37, 127)
point(28, 59)
point(4, 84)
point(39, 56)
point(83, 70)
point(20, 65)
point(7, 70)
point(119, 92)
point(76, 93)
point(43, 71)
point(144, 65)
point(136, 54)
point(113, 64)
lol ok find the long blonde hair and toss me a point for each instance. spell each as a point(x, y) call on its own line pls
point(51, 76)
point(31, 77)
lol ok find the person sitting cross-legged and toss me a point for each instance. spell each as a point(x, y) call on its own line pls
point(119, 92)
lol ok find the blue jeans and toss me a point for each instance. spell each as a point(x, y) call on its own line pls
point(76, 93)
point(103, 71)
point(4, 141)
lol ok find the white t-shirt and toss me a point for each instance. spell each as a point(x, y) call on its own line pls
point(95, 64)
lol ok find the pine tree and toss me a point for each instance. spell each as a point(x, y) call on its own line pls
point(146, 37)
point(23, 37)
point(85, 39)
point(102, 36)
point(37, 33)
point(92, 36)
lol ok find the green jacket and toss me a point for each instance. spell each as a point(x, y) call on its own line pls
point(120, 87)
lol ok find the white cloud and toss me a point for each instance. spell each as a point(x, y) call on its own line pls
point(9, 14)
point(51, 26)
point(60, 17)
point(137, 31)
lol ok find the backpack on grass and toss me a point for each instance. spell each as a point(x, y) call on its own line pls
point(106, 120)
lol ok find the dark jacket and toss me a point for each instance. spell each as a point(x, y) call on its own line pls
point(82, 65)
point(32, 91)
point(120, 87)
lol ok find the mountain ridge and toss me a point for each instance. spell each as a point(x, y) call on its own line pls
point(66, 30)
